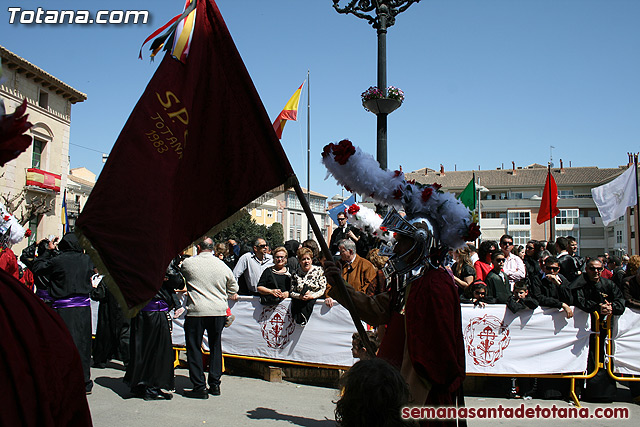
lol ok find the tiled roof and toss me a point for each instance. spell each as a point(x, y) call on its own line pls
point(81, 181)
point(280, 189)
point(311, 192)
point(532, 176)
point(11, 58)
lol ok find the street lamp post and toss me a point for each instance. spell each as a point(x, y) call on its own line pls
point(381, 15)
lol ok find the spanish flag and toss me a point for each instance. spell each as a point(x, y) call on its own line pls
point(289, 112)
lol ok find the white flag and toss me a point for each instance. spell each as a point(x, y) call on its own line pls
point(612, 199)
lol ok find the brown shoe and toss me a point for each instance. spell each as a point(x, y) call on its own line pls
point(229, 321)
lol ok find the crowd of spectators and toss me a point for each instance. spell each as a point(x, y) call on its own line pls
point(546, 274)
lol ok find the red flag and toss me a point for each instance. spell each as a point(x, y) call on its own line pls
point(197, 147)
point(549, 204)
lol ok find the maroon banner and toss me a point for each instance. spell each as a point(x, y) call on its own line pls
point(197, 147)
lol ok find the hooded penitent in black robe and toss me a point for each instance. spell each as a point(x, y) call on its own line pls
point(151, 350)
point(69, 277)
point(112, 332)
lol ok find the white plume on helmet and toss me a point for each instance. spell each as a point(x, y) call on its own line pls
point(10, 229)
point(369, 221)
point(360, 172)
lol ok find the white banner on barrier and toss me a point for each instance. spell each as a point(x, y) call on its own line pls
point(626, 342)
point(496, 340)
point(529, 342)
point(269, 331)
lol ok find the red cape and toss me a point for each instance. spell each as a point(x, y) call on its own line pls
point(433, 333)
point(41, 379)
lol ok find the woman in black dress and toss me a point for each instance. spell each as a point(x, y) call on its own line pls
point(275, 283)
point(463, 272)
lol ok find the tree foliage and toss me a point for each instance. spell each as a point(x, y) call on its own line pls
point(245, 231)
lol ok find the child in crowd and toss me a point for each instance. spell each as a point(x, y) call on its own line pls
point(520, 298)
point(476, 294)
point(357, 347)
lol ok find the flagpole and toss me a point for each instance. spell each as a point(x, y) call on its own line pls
point(308, 148)
point(637, 210)
point(476, 198)
point(327, 254)
point(552, 235)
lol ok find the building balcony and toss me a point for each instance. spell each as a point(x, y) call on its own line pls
point(73, 208)
point(43, 181)
point(590, 222)
point(533, 204)
point(493, 223)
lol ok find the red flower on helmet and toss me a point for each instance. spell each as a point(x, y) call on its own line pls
point(384, 228)
point(474, 231)
point(396, 173)
point(397, 194)
point(353, 209)
point(426, 194)
point(342, 151)
point(27, 232)
point(327, 149)
point(6, 217)
point(436, 186)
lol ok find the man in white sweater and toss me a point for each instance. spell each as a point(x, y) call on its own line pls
point(209, 284)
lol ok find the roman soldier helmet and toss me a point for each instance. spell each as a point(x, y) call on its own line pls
point(435, 220)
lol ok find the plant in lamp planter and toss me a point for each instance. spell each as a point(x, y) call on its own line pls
point(375, 101)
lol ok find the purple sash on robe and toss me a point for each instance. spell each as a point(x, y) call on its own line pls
point(72, 301)
point(156, 305)
point(43, 294)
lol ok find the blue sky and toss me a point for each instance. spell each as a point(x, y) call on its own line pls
point(486, 82)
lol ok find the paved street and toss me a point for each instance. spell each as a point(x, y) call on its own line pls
point(255, 402)
point(244, 402)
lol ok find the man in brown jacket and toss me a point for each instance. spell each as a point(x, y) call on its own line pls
point(356, 271)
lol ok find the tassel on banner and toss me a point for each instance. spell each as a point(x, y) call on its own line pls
point(182, 26)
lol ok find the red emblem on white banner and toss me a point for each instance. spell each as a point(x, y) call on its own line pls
point(276, 325)
point(486, 338)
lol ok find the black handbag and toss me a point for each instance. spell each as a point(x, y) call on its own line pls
point(270, 299)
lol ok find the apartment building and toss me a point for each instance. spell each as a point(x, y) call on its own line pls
point(285, 208)
point(509, 201)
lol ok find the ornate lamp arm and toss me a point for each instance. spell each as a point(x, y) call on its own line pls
point(385, 10)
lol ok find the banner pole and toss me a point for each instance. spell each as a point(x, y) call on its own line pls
point(308, 146)
point(637, 209)
point(552, 234)
point(327, 254)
